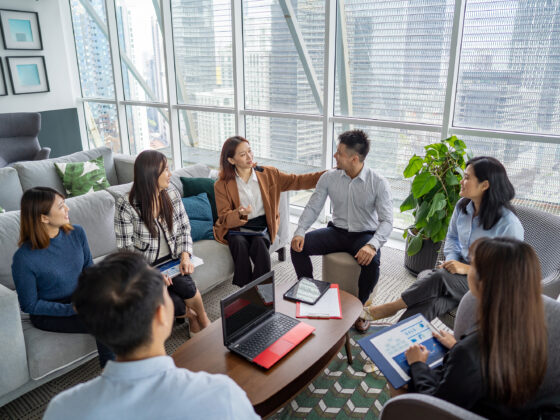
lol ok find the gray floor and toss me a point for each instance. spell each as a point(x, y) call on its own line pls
point(393, 279)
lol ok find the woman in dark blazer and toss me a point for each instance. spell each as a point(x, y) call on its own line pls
point(497, 370)
point(248, 196)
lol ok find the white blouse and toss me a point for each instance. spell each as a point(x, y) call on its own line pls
point(250, 194)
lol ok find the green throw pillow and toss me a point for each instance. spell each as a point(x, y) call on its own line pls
point(2, 210)
point(195, 186)
point(80, 178)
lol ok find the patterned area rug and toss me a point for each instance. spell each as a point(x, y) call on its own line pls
point(393, 280)
point(342, 391)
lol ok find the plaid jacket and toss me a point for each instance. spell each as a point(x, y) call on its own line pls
point(133, 235)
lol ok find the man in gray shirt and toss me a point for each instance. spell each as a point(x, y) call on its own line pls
point(362, 217)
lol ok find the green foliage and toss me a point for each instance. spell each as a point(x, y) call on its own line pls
point(435, 189)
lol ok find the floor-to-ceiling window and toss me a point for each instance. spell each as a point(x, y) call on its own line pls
point(290, 75)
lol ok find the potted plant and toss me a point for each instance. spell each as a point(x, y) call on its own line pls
point(433, 196)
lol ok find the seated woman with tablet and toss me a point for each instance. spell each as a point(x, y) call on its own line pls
point(498, 369)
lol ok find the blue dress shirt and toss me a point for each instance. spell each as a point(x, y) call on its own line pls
point(152, 388)
point(464, 229)
point(361, 204)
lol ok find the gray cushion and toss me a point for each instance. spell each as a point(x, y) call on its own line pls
point(10, 189)
point(95, 212)
point(48, 352)
point(13, 363)
point(217, 267)
point(195, 171)
point(43, 173)
point(9, 236)
point(118, 190)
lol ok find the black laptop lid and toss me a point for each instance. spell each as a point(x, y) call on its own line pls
point(246, 308)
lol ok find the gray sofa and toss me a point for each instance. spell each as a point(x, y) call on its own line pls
point(30, 357)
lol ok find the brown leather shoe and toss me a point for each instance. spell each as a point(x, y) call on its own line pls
point(361, 325)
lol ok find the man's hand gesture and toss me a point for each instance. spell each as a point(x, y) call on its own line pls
point(365, 254)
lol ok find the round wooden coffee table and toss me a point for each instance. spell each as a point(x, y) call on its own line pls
point(269, 389)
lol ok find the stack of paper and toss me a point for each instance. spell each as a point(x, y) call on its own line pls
point(328, 306)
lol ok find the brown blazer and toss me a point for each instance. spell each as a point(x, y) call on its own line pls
point(271, 182)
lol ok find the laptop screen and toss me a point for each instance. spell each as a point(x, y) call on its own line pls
point(247, 307)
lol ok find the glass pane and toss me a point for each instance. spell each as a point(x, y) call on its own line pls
point(389, 154)
point(102, 125)
point(92, 49)
point(203, 134)
point(392, 59)
point(275, 73)
point(293, 146)
point(141, 46)
point(148, 128)
point(203, 52)
point(509, 67)
point(533, 168)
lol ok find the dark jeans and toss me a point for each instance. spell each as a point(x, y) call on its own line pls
point(333, 239)
point(244, 249)
point(73, 325)
point(183, 287)
point(434, 294)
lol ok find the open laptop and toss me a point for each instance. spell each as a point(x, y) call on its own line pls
point(253, 329)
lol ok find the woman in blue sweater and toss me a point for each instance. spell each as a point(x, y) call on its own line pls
point(45, 268)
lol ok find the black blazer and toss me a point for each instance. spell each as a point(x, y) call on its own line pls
point(459, 380)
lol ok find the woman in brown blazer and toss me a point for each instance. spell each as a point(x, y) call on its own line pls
point(247, 196)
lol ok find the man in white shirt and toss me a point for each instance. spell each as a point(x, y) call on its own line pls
point(362, 217)
point(125, 304)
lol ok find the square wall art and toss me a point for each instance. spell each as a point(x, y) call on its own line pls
point(28, 74)
point(20, 30)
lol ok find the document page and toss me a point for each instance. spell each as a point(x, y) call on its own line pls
point(396, 341)
point(328, 306)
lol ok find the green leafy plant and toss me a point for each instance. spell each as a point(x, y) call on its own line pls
point(435, 190)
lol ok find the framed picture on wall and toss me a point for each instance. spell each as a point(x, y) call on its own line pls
point(28, 74)
point(20, 30)
point(3, 87)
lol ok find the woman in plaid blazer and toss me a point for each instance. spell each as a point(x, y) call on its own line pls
point(151, 220)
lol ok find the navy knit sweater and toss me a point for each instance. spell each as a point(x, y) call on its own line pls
point(44, 277)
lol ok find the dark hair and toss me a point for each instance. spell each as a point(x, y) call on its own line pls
point(499, 193)
point(117, 299)
point(357, 141)
point(510, 307)
point(148, 166)
point(227, 170)
point(35, 202)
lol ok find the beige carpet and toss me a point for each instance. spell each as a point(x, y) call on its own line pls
point(394, 279)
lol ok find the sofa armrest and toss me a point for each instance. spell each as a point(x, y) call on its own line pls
point(13, 357)
point(124, 165)
point(42, 154)
point(283, 236)
point(551, 285)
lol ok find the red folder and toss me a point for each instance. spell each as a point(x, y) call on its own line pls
point(298, 307)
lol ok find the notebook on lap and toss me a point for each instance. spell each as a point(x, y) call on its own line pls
point(253, 329)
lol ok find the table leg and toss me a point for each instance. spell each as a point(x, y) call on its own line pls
point(348, 350)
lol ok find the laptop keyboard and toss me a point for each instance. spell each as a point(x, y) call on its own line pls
point(253, 345)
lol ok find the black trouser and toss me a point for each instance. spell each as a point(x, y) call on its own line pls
point(333, 239)
point(73, 325)
point(434, 294)
point(244, 249)
point(183, 287)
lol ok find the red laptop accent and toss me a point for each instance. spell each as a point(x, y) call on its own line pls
point(253, 329)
